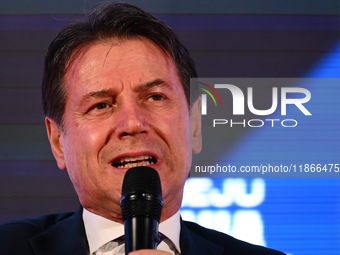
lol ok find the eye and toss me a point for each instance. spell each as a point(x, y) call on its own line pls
point(156, 97)
point(101, 106)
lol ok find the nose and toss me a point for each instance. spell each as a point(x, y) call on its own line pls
point(132, 120)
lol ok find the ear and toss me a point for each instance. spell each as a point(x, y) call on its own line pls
point(55, 136)
point(196, 133)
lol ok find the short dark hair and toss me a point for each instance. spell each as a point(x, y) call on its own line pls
point(104, 22)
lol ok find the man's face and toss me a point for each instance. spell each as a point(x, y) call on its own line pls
point(125, 107)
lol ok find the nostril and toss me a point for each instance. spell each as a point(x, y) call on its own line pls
point(132, 134)
point(124, 134)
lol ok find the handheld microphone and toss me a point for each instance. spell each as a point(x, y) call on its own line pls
point(141, 205)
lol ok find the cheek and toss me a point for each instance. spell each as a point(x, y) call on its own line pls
point(90, 136)
point(82, 159)
point(84, 147)
point(182, 131)
point(179, 133)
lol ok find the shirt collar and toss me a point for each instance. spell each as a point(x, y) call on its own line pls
point(100, 230)
point(171, 228)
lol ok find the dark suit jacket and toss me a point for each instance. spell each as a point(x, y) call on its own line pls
point(64, 234)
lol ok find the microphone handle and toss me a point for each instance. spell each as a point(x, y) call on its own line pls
point(140, 233)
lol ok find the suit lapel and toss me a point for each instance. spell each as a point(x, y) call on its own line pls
point(193, 243)
point(65, 237)
point(68, 236)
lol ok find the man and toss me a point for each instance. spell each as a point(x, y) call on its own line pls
point(116, 95)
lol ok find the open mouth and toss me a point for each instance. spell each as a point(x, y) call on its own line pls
point(129, 162)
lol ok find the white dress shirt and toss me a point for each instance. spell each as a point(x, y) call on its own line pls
point(100, 231)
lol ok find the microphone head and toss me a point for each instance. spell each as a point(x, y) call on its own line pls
point(141, 194)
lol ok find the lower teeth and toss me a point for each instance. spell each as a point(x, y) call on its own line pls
point(129, 165)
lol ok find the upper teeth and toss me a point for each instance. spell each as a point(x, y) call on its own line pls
point(135, 159)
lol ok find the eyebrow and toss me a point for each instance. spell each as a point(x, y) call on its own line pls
point(154, 83)
point(106, 92)
point(95, 94)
